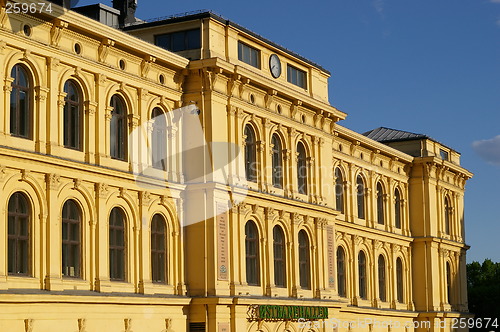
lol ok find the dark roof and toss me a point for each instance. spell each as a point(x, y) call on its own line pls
point(383, 135)
point(190, 16)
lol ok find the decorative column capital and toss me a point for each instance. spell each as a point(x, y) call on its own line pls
point(133, 120)
point(109, 111)
point(53, 181)
point(90, 107)
point(101, 190)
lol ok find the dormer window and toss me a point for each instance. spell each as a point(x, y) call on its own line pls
point(296, 76)
point(249, 55)
point(444, 154)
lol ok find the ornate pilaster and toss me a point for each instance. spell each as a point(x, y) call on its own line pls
point(53, 277)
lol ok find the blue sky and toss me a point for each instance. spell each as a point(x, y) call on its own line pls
point(428, 66)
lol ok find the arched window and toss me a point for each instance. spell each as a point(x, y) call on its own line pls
point(304, 260)
point(381, 279)
point(117, 244)
point(21, 115)
point(71, 239)
point(250, 154)
point(341, 275)
point(159, 139)
point(360, 191)
point(448, 282)
point(118, 129)
point(158, 249)
point(397, 208)
point(252, 253)
point(277, 162)
point(399, 280)
point(362, 275)
point(19, 228)
point(447, 215)
point(339, 190)
point(73, 116)
point(279, 257)
point(301, 169)
point(380, 204)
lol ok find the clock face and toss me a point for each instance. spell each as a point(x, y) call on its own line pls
point(275, 65)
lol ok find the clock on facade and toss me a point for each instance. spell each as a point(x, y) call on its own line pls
point(275, 65)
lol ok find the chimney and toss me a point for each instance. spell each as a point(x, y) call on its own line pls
point(127, 11)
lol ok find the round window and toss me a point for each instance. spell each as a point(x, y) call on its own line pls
point(27, 30)
point(78, 48)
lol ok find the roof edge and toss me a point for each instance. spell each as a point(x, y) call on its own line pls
point(219, 18)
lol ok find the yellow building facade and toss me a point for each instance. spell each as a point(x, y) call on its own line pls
point(247, 208)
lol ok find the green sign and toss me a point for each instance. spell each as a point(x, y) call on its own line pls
point(287, 312)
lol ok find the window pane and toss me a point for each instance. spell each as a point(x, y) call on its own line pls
point(159, 139)
point(443, 154)
point(22, 77)
point(339, 190)
point(75, 232)
point(118, 128)
point(304, 268)
point(193, 39)
point(341, 272)
point(23, 256)
point(18, 234)
point(447, 215)
point(296, 76)
point(279, 257)
point(399, 280)
point(23, 114)
point(117, 244)
point(250, 154)
point(20, 103)
point(71, 223)
point(397, 209)
point(277, 162)
point(380, 204)
point(12, 255)
point(73, 115)
point(249, 54)
point(252, 254)
point(120, 241)
point(448, 282)
point(180, 40)
point(362, 275)
point(360, 197)
point(158, 252)
point(301, 169)
point(74, 270)
point(163, 41)
point(23, 225)
point(65, 231)
point(381, 278)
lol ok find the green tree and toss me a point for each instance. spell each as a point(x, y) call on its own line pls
point(483, 287)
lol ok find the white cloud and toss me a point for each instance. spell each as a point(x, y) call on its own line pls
point(379, 7)
point(488, 149)
point(495, 1)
